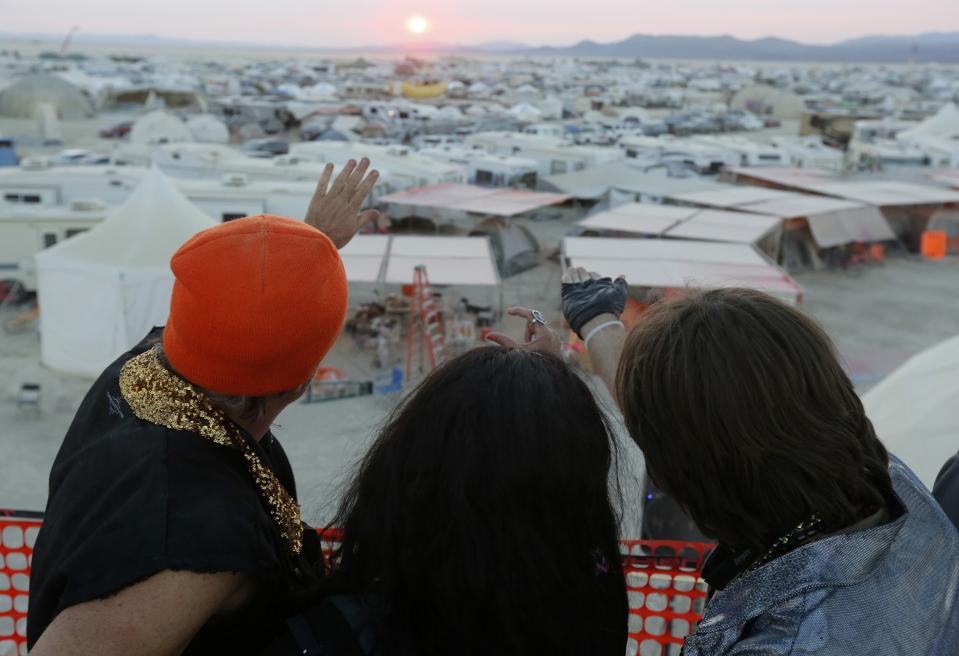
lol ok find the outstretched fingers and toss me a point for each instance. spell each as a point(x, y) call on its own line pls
point(340, 184)
point(363, 190)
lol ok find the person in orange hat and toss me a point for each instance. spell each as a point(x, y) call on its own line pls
point(172, 524)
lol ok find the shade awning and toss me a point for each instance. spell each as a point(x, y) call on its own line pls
point(364, 257)
point(678, 264)
point(448, 260)
point(479, 200)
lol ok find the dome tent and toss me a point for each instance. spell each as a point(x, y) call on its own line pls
point(208, 129)
point(100, 292)
point(22, 98)
point(159, 127)
point(914, 409)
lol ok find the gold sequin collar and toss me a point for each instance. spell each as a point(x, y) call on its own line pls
point(160, 397)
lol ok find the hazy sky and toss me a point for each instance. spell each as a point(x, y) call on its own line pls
point(368, 22)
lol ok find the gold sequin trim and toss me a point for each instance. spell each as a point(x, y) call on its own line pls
point(160, 397)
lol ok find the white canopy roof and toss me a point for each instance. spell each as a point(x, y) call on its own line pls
point(720, 225)
point(471, 198)
point(448, 260)
point(678, 264)
point(364, 256)
point(914, 409)
point(100, 292)
point(881, 193)
point(683, 222)
point(832, 221)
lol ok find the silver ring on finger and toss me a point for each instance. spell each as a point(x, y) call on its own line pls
point(538, 318)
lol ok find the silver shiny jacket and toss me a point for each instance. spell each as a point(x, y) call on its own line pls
point(888, 590)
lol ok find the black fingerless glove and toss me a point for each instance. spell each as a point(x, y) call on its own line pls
point(586, 300)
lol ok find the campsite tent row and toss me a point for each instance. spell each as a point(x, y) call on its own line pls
point(674, 264)
point(474, 199)
point(832, 221)
point(101, 291)
point(881, 193)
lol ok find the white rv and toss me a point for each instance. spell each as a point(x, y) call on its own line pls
point(27, 229)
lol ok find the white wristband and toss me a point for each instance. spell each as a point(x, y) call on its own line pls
point(595, 330)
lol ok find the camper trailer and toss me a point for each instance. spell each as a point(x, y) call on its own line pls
point(26, 230)
point(488, 170)
point(37, 182)
point(408, 169)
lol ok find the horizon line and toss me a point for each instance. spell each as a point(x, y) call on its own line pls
point(426, 44)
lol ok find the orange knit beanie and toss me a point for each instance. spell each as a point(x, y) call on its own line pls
point(257, 302)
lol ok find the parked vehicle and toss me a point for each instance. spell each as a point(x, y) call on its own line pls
point(117, 131)
point(266, 147)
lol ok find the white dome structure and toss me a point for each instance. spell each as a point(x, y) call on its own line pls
point(914, 409)
point(159, 127)
point(100, 292)
point(22, 98)
point(525, 113)
point(449, 113)
point(208, 129)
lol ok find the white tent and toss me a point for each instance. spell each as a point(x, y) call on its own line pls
point(102, 291)
point(525, 113)
point(159, 127)
point(944, 125)
point(208, 129)
point(914, 409)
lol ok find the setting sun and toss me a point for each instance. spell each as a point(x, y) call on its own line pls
point(417, 25)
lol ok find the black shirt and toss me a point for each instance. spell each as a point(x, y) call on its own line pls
point(130, 498)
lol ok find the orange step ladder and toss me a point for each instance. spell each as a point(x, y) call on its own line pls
point(425, 324)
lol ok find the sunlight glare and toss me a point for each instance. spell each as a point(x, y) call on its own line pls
point(417, 25)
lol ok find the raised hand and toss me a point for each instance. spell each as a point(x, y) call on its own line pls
point(587, 295)
point(335, 211)
point(537, 336)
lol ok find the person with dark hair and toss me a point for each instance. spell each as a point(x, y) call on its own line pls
point(827, 544)
point(480, 520)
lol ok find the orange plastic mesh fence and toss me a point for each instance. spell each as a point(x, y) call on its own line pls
point(18, 532)
point(666, 595)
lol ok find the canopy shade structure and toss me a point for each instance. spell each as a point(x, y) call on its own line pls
point(594, 182)
point(638, 218)
point(100, 292)
point(683, 223)
point(832, 221)
point(448, 260)
point(884, 193)
point(720, 225)
point(364, 257)
point(730, 196)
point(914, 409)
point(676, 264)
point(479, 200)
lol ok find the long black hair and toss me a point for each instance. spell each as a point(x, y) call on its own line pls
point(480, 521)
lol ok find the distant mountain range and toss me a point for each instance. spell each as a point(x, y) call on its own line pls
point(935, 46)
point(929, 47)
